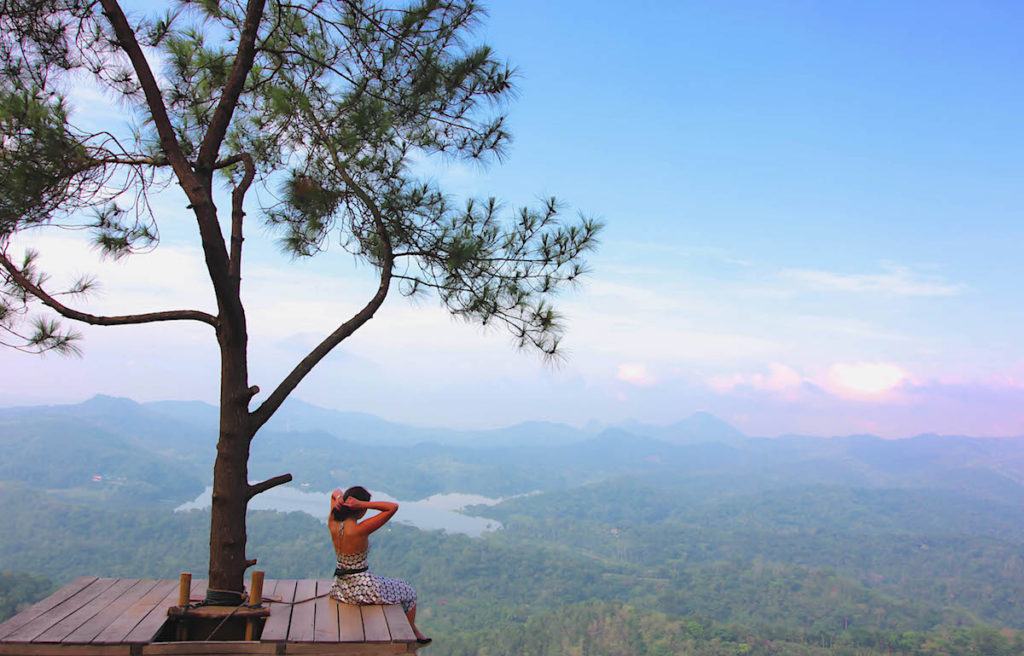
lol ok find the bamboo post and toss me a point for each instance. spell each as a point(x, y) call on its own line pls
point(256, 589)
point(255, 600)
point(184, 594)
point(184, 588)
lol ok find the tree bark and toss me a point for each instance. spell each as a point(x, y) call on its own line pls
point(231, 469)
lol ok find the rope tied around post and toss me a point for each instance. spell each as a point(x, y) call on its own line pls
point(216, 604)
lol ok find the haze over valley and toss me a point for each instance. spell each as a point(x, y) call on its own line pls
point(693, 530)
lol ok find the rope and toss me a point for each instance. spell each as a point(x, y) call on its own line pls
point(220, 598)
point(271, 600)
point(267, 600)
point(217, 628)
point(216, 597)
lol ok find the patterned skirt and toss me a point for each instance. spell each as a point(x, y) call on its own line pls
point(366, 588)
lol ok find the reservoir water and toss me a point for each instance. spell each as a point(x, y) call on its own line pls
point(440, 511)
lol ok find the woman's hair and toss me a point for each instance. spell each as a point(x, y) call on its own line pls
point(343, 513)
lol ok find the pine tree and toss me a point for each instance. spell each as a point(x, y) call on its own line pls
point(326, 103)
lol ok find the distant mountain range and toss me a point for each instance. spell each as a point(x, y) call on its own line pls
point(299, 416)
point(142, 452)
point(692, 520)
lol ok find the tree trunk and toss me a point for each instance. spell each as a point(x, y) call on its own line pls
point(231, 468)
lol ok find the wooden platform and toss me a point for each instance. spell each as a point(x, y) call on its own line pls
point(107, 617)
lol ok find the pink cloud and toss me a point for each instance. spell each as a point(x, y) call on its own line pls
point(865, 380)
point(855, 381)
point(780, 379)
point(874, 397)
point(635, 374)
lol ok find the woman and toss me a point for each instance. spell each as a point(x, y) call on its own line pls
point(353, 583)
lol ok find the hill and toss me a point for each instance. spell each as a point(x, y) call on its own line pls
point(632, 537)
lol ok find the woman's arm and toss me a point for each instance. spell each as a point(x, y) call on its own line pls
point(333, 525)
point(336, 500)
point(387, 511)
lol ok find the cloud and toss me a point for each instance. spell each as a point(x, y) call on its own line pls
point(615, 322)
point(651, 348)
point(635, 374)
point(856, 381)
point(780, 378)
point(171, 277)
point(864, 379)
point(894, 281)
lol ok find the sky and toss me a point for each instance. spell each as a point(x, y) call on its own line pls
point(814, 214)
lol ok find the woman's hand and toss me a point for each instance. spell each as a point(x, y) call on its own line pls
point(336, 496)
point(354, 503)
point(386, 510)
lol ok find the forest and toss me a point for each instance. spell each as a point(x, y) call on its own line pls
point(681, 547)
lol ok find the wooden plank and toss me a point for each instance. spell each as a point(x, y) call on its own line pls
point(116, 631)
point(212, 648)
point(398, 624)
point(325, 614)
point(108, 615)
point(31, 629)
point(374, 625)
point(63, 628)
point(60, 649)
point(43, 605)
point(150, 625)
point(252, 626)
point(280, 589)
point(347, 649)
point(301, 629)
point(217, 612)
point(276, 627)
point(351, 623)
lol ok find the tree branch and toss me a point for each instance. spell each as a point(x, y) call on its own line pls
point(150, 317)
point(127, 161)
point(277, 397)
point(228, 161)
point(233, 87)
point(263, 486)
point(154, 100)
point(238, 217)
point(199, 195)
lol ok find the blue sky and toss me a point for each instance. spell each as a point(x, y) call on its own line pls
point(814, 216)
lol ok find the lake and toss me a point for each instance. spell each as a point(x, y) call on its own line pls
point(440, 511)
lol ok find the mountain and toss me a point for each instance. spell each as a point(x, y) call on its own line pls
point(698, 428)
point(296, 416)
point(104, 448)
point(173, 442)
point(135, 421)
point(736, 544)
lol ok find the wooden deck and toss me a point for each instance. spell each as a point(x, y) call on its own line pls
point(107, 617)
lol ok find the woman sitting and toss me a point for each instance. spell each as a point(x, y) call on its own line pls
point(353, 582)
